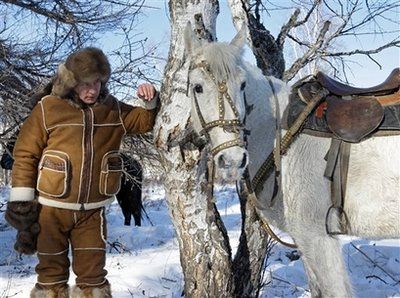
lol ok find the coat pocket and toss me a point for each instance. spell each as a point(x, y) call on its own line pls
point(53, 174)
point(110, 175)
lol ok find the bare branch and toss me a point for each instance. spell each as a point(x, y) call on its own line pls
point(353, 19)
point(374, 263)
point(308, 56)
point(292, 23)
point(37, 35)
point(67, 18)
point(287, 27)
point(309, 13)
point(363, 52)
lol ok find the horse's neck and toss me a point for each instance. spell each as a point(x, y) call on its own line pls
point(261, 120)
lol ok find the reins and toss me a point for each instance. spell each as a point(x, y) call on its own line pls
point(286, 141)
point(274, 158)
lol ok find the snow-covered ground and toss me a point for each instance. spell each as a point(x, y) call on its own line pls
point(144, 261)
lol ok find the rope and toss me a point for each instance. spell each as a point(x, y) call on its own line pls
point(267, 227)
point(269, 163)
point(287, 140)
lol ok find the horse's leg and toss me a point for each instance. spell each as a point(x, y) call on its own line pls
point(136, 198)
point(306, 201)
point(312, 280)
point(323, 262)
point(123, 200)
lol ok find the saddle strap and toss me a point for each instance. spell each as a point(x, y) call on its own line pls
point(336, 170)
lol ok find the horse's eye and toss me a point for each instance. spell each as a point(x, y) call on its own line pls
point(198, 88)
point(243, 86)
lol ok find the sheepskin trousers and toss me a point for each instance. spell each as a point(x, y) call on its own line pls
point(85, 231)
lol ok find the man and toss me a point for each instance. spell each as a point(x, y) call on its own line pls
point(67, 168)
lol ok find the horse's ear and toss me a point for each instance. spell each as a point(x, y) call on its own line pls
point(191, 42)
point(240, 39)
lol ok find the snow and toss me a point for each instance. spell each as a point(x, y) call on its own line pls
point(144, 261)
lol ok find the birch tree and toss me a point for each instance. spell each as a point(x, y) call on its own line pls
point(205, 251)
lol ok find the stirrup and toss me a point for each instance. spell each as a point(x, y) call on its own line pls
point(343, 221)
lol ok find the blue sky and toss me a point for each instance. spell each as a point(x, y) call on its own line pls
point(155, 25)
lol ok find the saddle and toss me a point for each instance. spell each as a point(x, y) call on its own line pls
point(321, 106)
point(352, 120)
point(390, 85)
point(348, 113)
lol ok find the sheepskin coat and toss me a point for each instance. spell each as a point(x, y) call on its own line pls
point(67, 155)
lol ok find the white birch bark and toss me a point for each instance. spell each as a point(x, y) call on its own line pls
point(204, 249)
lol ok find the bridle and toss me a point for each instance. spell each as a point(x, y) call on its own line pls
point(232, 125)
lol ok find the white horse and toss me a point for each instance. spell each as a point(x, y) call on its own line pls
point(372, 202)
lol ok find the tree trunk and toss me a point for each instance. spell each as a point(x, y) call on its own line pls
point(252, 249)
point(204, 246)
point(249, 259)
point(266, 49)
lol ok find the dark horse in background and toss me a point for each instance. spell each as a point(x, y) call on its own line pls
point(129, 196)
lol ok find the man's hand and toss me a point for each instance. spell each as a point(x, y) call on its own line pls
point(146, 91)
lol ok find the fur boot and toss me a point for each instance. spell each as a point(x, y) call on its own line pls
point(103, 292)
point(50, 293)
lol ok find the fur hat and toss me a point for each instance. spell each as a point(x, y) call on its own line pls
point(85, 65)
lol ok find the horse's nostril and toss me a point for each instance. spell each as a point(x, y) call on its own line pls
point(221, 161)
point(244, 161)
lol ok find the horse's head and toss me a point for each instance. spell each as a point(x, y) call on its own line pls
point(216, 86)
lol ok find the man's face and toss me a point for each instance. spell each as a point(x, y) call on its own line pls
point(88, 92)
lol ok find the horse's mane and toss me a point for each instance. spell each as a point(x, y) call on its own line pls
point(223, 59)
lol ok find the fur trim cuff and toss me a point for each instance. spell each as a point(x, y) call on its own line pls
point(22, 194)
point(50, 293)
point(98, 292)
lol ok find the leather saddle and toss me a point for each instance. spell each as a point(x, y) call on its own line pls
point(352, 120)
point(390, 85)
point(347, 113)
